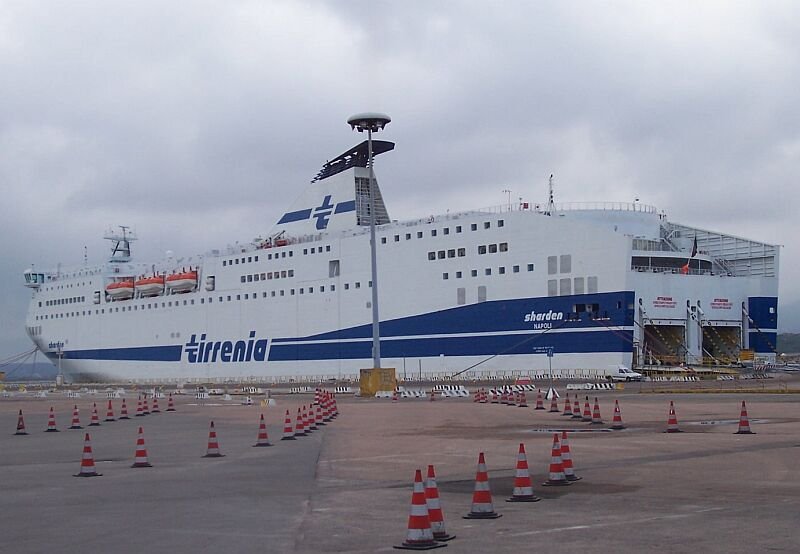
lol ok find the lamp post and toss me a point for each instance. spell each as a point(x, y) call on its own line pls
point(372, 122)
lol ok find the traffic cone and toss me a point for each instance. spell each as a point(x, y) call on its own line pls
point(432, 396)
point(141, 452)
point(482, 507)
point(672, 422)
point(420, 534)
point(145, 409)
point(435, 508)
point(318, 416)
point(288, 432)
point(744, 423)
point(394, 397)
point(95, 421)
point(539, 400)
point(523, 490)
point(51, 422)
point(566, 459)
point(110, 412)
point(123, 411)
point(616, 423)
point(523, 402)
point(567, 407)
point(87, 461)
point(557, 477)
point(213, 446)
point(495, 399)
point(170, 404)
point(299, 425)
point(326, 409)
point(21, 425)
point(587, 413)
point(576, 408)
point(306, 421)
point(554, 404)
point(263, 439)
point(156, 409)
point(596, 419)
point(504, 398)
point(483, 399)
point(76, 418)
point(476, 396)
point(139, 410)
point(335, 406)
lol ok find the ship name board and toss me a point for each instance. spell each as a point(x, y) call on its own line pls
point(541, 320)
point(251, 350)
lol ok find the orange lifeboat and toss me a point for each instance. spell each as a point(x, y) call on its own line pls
point(150, 286)
point(120, 290)
point(182, 281)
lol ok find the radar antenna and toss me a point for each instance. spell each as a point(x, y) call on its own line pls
point(121, 251)
point(551, 205)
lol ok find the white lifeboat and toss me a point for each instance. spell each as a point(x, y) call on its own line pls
point(150, 286)
point(120, 290)
point(182, 281)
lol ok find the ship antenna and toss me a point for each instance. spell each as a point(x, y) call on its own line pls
point(550, 199)
point(85, 256)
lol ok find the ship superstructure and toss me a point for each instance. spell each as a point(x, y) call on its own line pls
point(492, 289)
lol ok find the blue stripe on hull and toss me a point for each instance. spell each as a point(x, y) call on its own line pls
point(135, 354)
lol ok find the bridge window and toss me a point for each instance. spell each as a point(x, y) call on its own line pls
point(591, 285)
point(566, 263)
point(552, 265)
point(578, 285)
point(565, 286)
point(552, 287)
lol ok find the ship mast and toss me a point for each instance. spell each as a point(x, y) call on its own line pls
point(121, 251)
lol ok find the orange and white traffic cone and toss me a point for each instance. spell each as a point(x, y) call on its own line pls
point(51, 422)
point(170, 404)
point(596, 418)
point(76, 418)
point(566, 459)
point(307, 421)
point(504, 398)
point(263, 439)
point(420, 534)
point(318, 417)
point(21, 425)
point(539, 400)
point(744, 423)
point(87, 461)
point(155, 409)
point(554, 404)
point(556, 474)
point(567, 407)
point(123, 411)
point(139, 410)
point(576, 408)
point(141, 452)
point(212, 451)
point(288, 432)
point(476, 396)
point(495, 398)
point(587, 412)
point(145, 408)
point(299, 425)
point(394, 397)
point(482, 506)
point(435, 508)
point(616, 423)
point(110, 412)
point(672, 422)
point(95, 421)
point(483, 399)
point(432, 396)
point(523, 402)
point(523, 489)
point(335, 406)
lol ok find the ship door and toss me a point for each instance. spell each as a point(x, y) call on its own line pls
point(664, 344)
point(721, 344)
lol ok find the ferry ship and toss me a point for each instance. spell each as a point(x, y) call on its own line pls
point(505, 290)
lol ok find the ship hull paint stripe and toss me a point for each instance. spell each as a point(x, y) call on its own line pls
point(170, 353)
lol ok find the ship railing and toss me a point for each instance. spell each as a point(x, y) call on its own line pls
point(677, 271)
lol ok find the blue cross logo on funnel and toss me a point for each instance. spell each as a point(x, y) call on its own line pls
point(323, 212)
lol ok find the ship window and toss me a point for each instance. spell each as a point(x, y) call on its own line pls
point(202, 301)
point(433, 232)
point(408, 236)
point(591, 284)
point(273, 293)
point(552, 265)
point(333, 288)
point(445, 276)
point(482, 249)
point(256, 258)
point(333, 268)
point(263, 276)
point(249, 259)
point(237, 261)
point(243, 278)
point(264, 294)
point(291, 273)
point(487, 271)
point(256, 277)
point(313, 250)
point(515, 269)
point(492, 249)
point(566, 263)
point(482, 293)
point(503, 247)
point(283, 274)
point(229, 298)
point(458, 228)
point(291, 292)
point(327, 248)
point(282, 293)
point(565, 286)
point(302, 290)
point(383, 240)
point(431, 255)
point(473, 227)
point(243, 259)
point(552, 287)
point(458, 275)
point(305, 251)
point(474, 272)
point(283, 254)
point(501, 270)
point(220, 299)
point(322, 288)
point(446, 230)
point(310, 290)
point(486, 224)
point(500, 223)
point(247, 296)
point(419, 234)
point(451, 253)
point(269, 256)
point(461, 296)
point(249, 278)
point(462, 252)
point(347, 286)
point(358, 284)
point(238, 297)
point(440, 254)
point(397, 238)
point(168, 303)
point(530, 267)
point(578, 285)
point(291, 252)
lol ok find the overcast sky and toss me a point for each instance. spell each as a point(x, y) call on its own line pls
point(197, 123)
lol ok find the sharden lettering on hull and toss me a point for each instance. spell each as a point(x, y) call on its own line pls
point(549, 315)
point(204, 351)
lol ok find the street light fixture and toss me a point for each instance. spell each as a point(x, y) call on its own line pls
point(372, 123)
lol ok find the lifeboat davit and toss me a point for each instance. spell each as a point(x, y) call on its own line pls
point(183, 281)
point(150, 286)
point(120, 290)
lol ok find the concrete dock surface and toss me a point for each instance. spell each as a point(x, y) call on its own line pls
point(347, 486)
